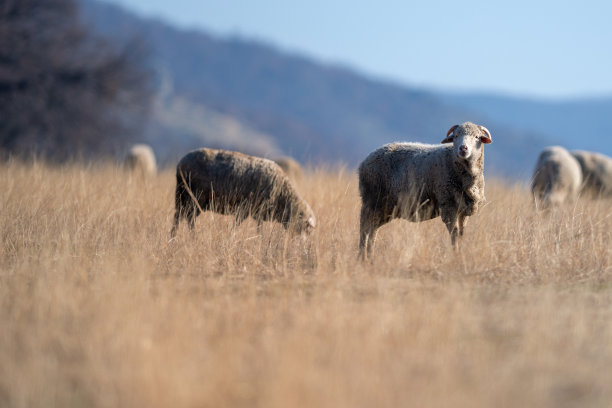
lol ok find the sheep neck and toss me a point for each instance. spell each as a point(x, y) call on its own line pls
point(470, 169)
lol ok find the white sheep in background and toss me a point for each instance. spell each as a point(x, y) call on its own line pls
point(596, 173)
point(557, 178)
point(418, 182)
point(140, 158)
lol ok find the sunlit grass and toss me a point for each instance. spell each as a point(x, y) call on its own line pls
point(98, 307)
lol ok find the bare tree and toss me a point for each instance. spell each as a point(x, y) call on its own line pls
point(63, 91)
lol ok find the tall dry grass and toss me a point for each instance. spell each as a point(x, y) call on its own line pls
point(99, 309)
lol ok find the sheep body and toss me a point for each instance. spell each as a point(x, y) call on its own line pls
point(557, 178)
point(418, 182)
point(141, 158)
point(229, 182)
point(596, 173)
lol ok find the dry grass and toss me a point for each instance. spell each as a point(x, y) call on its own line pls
point(98, 309)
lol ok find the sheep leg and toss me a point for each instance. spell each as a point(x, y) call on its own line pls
point(191, 217)
point(175, 224)
point(462, 223)
point(191, 210)
point(450, 218)
point(370, 221)
point(179, 205)
point(372, 240)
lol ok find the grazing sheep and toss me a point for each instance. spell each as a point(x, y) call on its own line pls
point(556, 178)
point(290, 166)
point(234, 183)
point(140, 158)
point(419, 182)
point(596, 173)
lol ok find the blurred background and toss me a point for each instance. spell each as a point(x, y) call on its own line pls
point(324, 82)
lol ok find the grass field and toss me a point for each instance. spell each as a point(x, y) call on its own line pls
point(99, 309)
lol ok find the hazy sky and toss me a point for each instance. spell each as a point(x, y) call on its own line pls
point(535, 48)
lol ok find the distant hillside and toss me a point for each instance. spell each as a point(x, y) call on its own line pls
point(576, 124)
point(312, 111)
point(179, 125)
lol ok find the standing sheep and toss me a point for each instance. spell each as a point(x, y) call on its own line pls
point(556, 178)
point(233, 183)
point(290, 166)
point(140, 158)
point(596, 173)
point(419, 182)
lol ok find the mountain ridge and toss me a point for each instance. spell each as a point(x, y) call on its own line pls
point(317, 112)
point(574, 123)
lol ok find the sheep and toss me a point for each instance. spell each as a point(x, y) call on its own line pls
point(140, 158)
point(596, 173)
point(418, 182)
point(290, 166)
point(557, 178)
point(229, 182)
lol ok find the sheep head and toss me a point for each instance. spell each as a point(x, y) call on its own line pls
point(467, 140)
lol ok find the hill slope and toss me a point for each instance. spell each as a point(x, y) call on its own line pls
point(313, 111)
point(179, 125)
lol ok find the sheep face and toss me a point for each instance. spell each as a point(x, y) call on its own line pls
point(305, 222)
point(297, 218)
point(467, 140)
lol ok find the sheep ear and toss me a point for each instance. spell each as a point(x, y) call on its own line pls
point(487, 137)
point(449, 135)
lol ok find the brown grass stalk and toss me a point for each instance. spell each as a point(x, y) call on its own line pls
point(99, 309)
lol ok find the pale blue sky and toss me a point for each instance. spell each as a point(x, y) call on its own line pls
point(550, 49)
